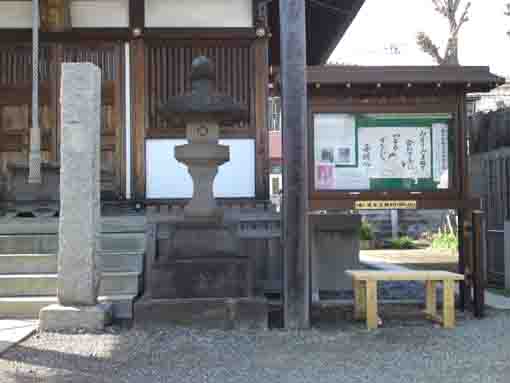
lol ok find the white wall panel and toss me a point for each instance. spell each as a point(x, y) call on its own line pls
point(167, 178)
point(199, 13)
point(15, 14)
point(100, 13)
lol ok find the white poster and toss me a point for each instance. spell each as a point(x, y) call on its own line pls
point(395, 152)
point(335, 139)
point(440, 152)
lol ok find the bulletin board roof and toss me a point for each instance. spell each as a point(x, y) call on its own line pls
point(472, 78)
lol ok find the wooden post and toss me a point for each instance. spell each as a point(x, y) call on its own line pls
point(463, 290)
point(479, 251)
point(371, 304)
point(261, 96)
point(360, 301)
point(138, 141)
point(448, 303)
point(296, 270)
point(431, 303)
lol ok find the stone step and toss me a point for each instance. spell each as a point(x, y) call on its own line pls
point(28, 307)
point(48, 243)
point(121, 242)
point(28, 244)
point(23, 285)
point(122, 261)
point(109, 224)
point(47, 263)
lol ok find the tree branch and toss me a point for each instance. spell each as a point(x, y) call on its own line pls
point(427, 46)
point(464, 18)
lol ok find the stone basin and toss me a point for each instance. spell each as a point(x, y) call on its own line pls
point(202, 153)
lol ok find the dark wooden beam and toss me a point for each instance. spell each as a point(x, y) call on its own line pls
point(296, 269)
point(137, 14)
point(138, 77)
point(260, 50)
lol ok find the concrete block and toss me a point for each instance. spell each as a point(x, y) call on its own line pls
point(67, 318)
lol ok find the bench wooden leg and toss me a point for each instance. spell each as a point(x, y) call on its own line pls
point(448, 304)
point(431, 302)
point(371, 304)
point(359, 299)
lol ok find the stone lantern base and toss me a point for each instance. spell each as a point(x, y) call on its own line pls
point(200, 260)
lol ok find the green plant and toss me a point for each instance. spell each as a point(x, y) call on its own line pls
point(443, 240)
point(366, 232)
point(402, 243)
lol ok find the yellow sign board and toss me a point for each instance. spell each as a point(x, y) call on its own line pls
point(376, 205)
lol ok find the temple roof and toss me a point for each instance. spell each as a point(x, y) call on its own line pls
point(327, 21)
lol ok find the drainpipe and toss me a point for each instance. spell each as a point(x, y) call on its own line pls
point(34, 164)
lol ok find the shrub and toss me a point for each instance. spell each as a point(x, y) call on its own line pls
point(366, 232)
point(445, 241)
point(402, 243)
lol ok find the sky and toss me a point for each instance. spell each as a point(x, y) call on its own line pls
point(384, 26)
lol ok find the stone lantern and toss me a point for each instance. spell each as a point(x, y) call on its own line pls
point(201, 256)
point(203, 111)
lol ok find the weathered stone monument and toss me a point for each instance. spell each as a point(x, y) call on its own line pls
point(334, 248)
point(78, 268)
point(195, 268)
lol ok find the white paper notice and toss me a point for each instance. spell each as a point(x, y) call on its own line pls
point(440, 150)
point(335, 139)
point(395, 152)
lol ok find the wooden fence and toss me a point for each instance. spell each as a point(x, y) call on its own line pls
point(489, 131)
point(490, 180)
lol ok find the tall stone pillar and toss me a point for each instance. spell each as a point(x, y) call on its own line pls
point(79, 223)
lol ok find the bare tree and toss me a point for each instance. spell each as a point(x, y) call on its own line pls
point(447, 9)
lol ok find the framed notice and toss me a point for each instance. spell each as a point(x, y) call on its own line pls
point(382, 152)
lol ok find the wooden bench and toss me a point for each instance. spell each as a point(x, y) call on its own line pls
point(365, 292)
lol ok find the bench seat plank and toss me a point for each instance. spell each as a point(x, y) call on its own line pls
point(378, 275)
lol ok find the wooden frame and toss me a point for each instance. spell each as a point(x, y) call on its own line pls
point(409, 104)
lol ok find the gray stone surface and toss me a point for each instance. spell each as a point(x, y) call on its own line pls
point(231, 313)
point(66, 318)
point(334, 241)
point(79, 275)
point(199, 260)
point(408, 348)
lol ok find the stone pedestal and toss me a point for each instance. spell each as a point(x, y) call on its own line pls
point(199, 260)
point(79, 223)
point(334, 241)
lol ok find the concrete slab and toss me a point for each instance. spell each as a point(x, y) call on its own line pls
point(13, 332)
point(375, 263)
point(497, 301)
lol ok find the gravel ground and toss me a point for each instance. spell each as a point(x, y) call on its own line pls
point(413, 350)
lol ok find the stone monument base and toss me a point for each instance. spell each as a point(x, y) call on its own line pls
point(226, 313)
point(200, 259)
point(65, 318)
